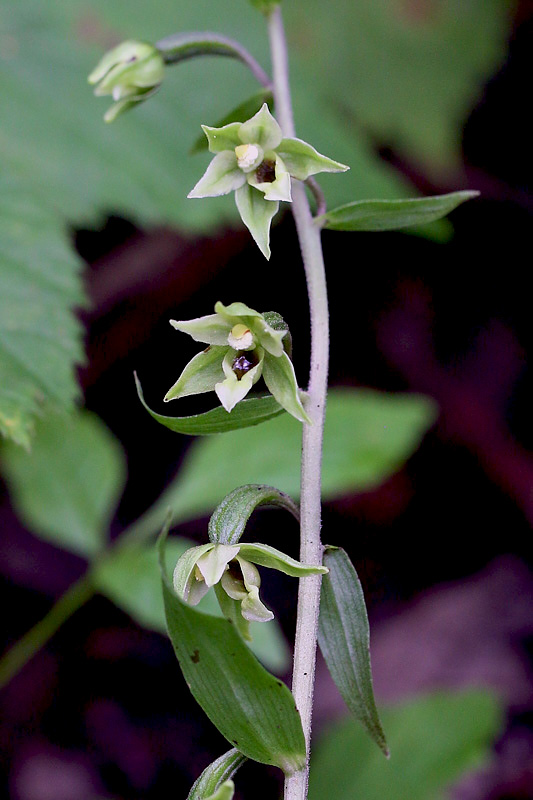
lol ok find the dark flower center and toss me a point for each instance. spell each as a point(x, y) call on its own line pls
point(266, 172)
point(243, 362)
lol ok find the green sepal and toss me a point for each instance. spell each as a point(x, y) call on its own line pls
point(216, 774)
point(257, 214)
point(200, 375)
point(222, 176)
point(231, 516)
point(251, 411)
point(184, 569)
point(344, 639)
point(241, 113)
point(210, 329)
point(262, 129)
point(281, 382)
point(389, 215)
point(302, 160)
point(251, 708)
point(223, 138)
point(267, 556)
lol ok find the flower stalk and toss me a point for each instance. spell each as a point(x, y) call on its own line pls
point(310, 507)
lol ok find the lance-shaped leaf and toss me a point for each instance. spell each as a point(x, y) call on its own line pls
point(230, 517)
point(344, 640)
point(389, 215)
point(250, 707)
point(248, 412)
point(216, 774)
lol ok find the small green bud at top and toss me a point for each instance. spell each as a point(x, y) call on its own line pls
point(130, 73)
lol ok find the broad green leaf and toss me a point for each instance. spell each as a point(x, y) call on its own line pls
point(246, 413)
point(40, 338)
point(216, 774)
point(229, 519)
point(344, 639)
point(433, 739)
point(131, 578)
point(368, 436)
point(251, 708)
point(407, 73)
point(67, 488)
point(389, 215)
point(241, 113)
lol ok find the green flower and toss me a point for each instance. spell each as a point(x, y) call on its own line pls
point(243, 346)
point(254, 160)
point(232, 567)
point(130, 73)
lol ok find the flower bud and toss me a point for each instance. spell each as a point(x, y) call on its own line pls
point(130, 73)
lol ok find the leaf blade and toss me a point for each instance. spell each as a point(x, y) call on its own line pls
point(344, 640)
point(250, 707)
point(389, 215)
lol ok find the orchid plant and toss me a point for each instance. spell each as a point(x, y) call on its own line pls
point(260, 158)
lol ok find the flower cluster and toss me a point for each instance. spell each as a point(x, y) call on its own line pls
point(233, 567)
point(254, 160)
point(243, 346)
point(130, 73)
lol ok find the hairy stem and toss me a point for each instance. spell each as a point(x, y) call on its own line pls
point(32, 641)
point(310, 547)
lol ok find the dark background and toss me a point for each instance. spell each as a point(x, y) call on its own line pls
point(442, 548)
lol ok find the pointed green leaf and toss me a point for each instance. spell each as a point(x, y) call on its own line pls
point(241, 113)
point(66, 490)
point(434, 739)
point(250, 707)
point(256, 213)
point(248, 412)
point(216, 774)
point(344, 639)
point(230, 517)
point(302, 160)
point(200, 375)
point(281, 382)
point(130, 577)
point(389, 215)
point(222, 176)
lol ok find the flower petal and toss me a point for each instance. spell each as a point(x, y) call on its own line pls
point(221, 177)
point(211, 329)
point(267, 556)
point(213, 563)
point(281, 382)
point(253, 609)
point(256, 213)
point(200, 375)
point(302, 160)
point(279, 188)
point(232, 390)
point(261, 129)
point(235, 310)
point(224, 138)
point(184, 572)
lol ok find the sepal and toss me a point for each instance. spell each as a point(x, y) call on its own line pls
point(201, 374)
point(261, 129)
point(257, 214)
point(280, 379)
point(302, 160)
point(222, 176)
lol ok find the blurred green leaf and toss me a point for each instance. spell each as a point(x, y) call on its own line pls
point(389, 215)
point(215, 774)
point(131, 578)
point(433, 741)
point(344, 639)
point(40, 338)
point(407, 73)
point(251, 708)
point(251, 411)
point(368, 436)
point(67, 488)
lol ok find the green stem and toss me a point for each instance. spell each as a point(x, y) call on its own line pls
point(23, 650)
point(310, 508)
